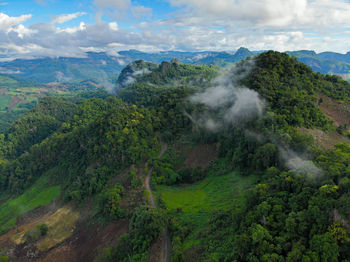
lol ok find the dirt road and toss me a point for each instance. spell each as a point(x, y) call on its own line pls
point(165, 256)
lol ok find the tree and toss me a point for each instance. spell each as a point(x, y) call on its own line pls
point(109, 202)
point(43, 229)
point(324, 248)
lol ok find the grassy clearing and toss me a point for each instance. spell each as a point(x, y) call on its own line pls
point(38, 195)
point(193, 204)
point(61, 226)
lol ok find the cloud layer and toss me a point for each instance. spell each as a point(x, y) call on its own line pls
point(195, 25)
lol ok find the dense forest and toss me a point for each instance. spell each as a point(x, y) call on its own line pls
point(274, 193)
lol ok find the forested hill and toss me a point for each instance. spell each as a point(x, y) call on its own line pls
point(245, 176)
point(167, 73)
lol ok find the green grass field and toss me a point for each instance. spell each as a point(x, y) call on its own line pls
point(38, 195)
point(196, 202)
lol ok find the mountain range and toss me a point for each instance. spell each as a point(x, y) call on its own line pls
point(104, 68)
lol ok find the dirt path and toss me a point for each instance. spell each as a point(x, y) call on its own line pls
point(165, 245)
point(165, 256)
point(148, 188)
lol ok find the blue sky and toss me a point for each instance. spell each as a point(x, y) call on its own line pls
point(35, 28)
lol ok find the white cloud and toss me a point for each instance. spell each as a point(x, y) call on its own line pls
point(72, 30)
point(60, 19)
point(272, 13)
point(7, 22)
point(264, 12)
point(21, 31)
point(113, 26)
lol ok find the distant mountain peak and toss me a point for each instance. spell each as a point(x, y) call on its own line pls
point(242, 53)
point(242, 49)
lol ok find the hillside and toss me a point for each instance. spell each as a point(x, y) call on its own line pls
point(18, 95)
point(191, 162)
point(326, 62)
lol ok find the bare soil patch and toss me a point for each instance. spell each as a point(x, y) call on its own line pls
point(155, 251)
point(336, 111)
point(325, 140)
point(201, 156)
point(85, 244)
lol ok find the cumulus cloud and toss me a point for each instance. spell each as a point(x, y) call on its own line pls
point(45, 39)
point(274, 13)
point(264, 12)
point(7, 22)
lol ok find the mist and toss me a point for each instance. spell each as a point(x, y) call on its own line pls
point(236, 103)
point(227, 103)
point(61, 77)
point(131, 77)
point(106, 83)
point(299, 163)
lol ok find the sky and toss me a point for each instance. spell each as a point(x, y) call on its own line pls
point(54, 28)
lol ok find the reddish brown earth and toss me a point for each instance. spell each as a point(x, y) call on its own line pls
point(84, 245)
point(336, 111)
point(201, 156)
point(86, 242)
